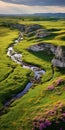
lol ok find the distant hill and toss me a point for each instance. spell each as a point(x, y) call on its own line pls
point(50, 14)
point(53, 15)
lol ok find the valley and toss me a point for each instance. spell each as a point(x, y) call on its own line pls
point(32, 54)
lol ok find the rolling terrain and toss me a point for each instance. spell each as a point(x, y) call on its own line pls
point(43, 106)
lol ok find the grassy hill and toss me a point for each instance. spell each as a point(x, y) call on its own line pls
point(45, 101)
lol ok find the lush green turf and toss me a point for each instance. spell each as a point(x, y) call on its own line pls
point(12, 77)
point(39, 100)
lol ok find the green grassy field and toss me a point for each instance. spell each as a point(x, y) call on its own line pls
point(37, 103)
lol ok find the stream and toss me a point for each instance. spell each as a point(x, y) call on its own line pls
point(17, 57)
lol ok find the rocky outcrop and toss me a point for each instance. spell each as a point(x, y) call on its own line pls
point(18, 26)
point(32, 27)
point(58, 63)
point(41, 33)
point(23, 27)
point(43, 47)
point(30, 30)
point(59, 59)
point(58, 51)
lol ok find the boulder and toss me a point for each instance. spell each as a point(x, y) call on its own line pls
point(18, 26)
point(41, 33)
point(59, 59)
point(58, 63)
point(32, 27)
point(43, 47)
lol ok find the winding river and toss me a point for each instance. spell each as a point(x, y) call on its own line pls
point(17, 57)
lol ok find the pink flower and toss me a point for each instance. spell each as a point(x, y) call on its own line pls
point(34, 124)
point(42, 126)
point(63, 119)
point(47, 122)
point(61, 129)
point(59, 81)
point(63, 114)
point(51, 88)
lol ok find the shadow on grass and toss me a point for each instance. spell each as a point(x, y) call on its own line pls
point(54, 29)
point(61, 70)
point(44, 55)
point(31, 36)
point(63, 38)
point(49, 37)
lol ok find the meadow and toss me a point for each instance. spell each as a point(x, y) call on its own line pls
point(46, 99)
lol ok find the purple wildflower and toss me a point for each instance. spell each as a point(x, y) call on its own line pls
point(63, 114)
point(47, 122)
point(42, 126)
point(59, 81)
point(51, 88)
point(61, 129)
point(63, 119)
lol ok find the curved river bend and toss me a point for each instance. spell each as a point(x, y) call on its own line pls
point(17, 57)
